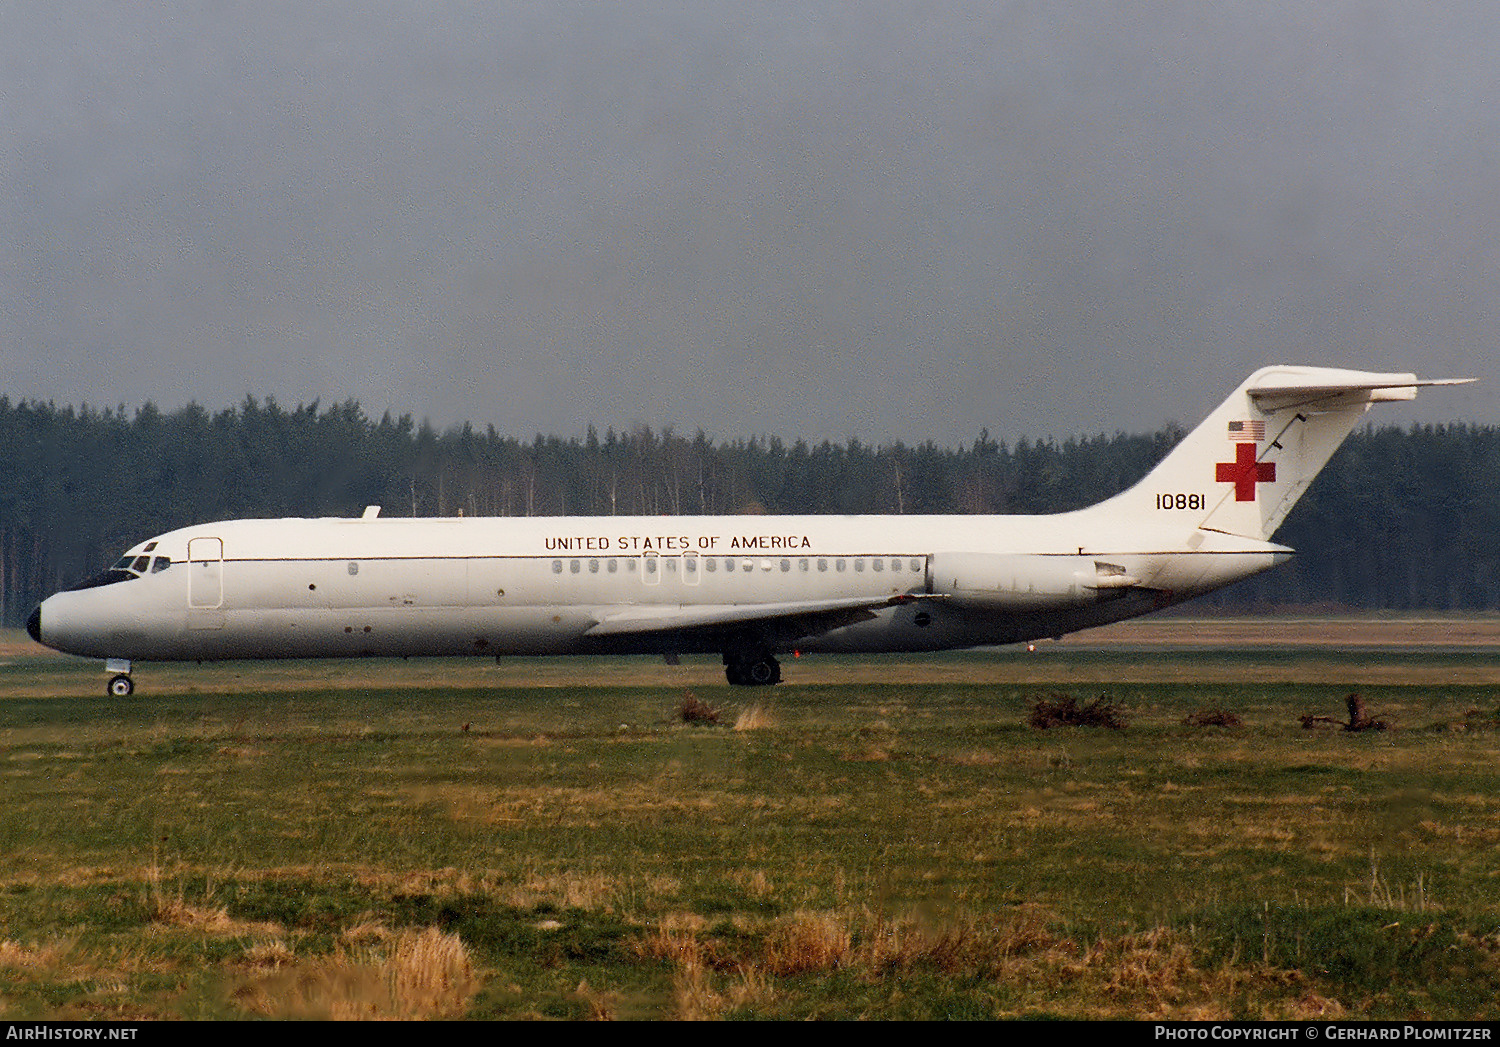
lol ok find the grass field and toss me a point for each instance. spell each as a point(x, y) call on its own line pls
point(879, 838)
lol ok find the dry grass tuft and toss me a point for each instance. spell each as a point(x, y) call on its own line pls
point(754, 718)
point(176, 911)
point(411, 975)
point(1154, 965)
point(270, 954)
point(974, 947)
point(707, 981)
point(431, 972)
point(808, 942)
point(172, 909)
point(37, 958)
point(673, 939)
point(756, 882)
point(366, 931)
point(569, 890)
point(699, 993)
point(694, 995)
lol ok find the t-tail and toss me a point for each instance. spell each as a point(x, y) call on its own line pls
point(1241, 471)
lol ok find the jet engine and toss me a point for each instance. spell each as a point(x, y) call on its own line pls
point(1017, 580)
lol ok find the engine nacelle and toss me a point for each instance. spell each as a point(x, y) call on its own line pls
point(1026, 580)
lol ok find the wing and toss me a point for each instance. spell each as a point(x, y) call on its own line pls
point(790, 619)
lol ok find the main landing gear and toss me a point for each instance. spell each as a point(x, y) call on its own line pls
point(751, 668)
point(120, 684)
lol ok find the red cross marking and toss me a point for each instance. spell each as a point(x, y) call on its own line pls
point(1245, 472)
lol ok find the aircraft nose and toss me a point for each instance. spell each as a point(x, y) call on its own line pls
point(34, 624)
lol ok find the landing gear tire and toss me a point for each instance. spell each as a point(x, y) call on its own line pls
point(121, 686)
point(764, 673)
point(753, 671)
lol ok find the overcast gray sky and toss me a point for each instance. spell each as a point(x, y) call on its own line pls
point(822, 220)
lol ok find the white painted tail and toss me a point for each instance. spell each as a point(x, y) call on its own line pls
point(1242, 470)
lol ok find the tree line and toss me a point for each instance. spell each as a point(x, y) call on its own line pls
point(1401, 518)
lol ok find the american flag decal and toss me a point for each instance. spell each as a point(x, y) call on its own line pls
point(1247, 431)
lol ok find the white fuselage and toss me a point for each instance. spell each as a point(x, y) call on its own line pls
point(352, 587)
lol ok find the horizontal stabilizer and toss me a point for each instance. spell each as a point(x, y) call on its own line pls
point(1285, 386)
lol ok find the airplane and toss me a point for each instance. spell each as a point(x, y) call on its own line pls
point(749, 588)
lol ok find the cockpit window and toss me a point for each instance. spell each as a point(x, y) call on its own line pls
point(126, 569)
point(109, 577)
